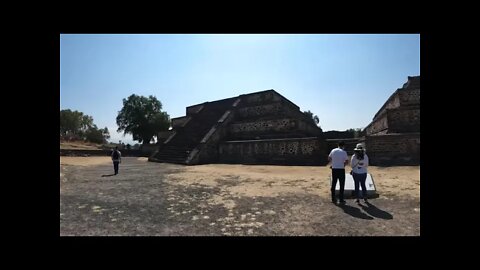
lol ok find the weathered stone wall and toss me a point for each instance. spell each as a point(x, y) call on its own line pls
point(399, 120)
point(279, 109)
point(262, 97)
point(378, 126)
point(148, 149)
point(194, 109)
point(263, 116)
point(207, 150)
point(304, 151)
point(259, 111)
point(410, 97)
point(162, 136)
point(308, 128)
point(402, 120)
point(263, 104)
point(392, 103)
point(350, 144)
point(180, 121)
point(393, 137)
point(283, 124)
point(394, 149)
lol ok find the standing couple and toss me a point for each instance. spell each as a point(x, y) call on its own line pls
point(359, 162)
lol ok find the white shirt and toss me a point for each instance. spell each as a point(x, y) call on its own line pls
point(338, 156)
point(361, 165)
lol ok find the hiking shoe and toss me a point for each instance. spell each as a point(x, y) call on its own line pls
point(357, 201)
point(343, 201)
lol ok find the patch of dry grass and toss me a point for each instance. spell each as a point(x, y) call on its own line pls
point(80, 146)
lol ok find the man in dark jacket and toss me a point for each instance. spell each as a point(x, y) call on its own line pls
point(116, 158)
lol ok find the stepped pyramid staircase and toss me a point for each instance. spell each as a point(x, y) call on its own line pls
point(188, 136)
point(260, 118)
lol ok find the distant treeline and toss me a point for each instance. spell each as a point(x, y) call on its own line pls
point(349, 133)
point(77, 126)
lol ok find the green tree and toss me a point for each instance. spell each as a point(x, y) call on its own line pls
point(106, 134)
point(142, 117)
point(74, 123)
point(355, 132)
point(314, 118)
point(359, 133)
point(95, 135)
point(67, 124)
point(86, 123)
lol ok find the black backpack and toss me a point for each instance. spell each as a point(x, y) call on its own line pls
point(115, 154)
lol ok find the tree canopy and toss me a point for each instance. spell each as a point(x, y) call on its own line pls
point(74, 122)
point(356, 132)
point(79, 126)
point(142, 117)
point(314, 118)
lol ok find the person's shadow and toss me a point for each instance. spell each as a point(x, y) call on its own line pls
point(108, 175)
point(354, 212)
point(375, 212)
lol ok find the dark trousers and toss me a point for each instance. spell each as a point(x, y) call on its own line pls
point(115, 166)
point(359, 179)
point(340, 175)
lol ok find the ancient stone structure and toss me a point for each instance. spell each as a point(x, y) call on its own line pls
point(393, 137)
point(258, 128)
point(350, 144)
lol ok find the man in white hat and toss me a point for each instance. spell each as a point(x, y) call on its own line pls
point(339, 159)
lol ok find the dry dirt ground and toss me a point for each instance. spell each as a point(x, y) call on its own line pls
point(150, 199)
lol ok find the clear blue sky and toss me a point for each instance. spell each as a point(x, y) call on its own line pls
point(344, 79)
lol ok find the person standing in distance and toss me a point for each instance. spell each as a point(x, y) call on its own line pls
point(339, 159)
point(116, 158)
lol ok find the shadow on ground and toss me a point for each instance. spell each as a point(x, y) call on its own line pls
point(375, 212)
point(354, 212)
